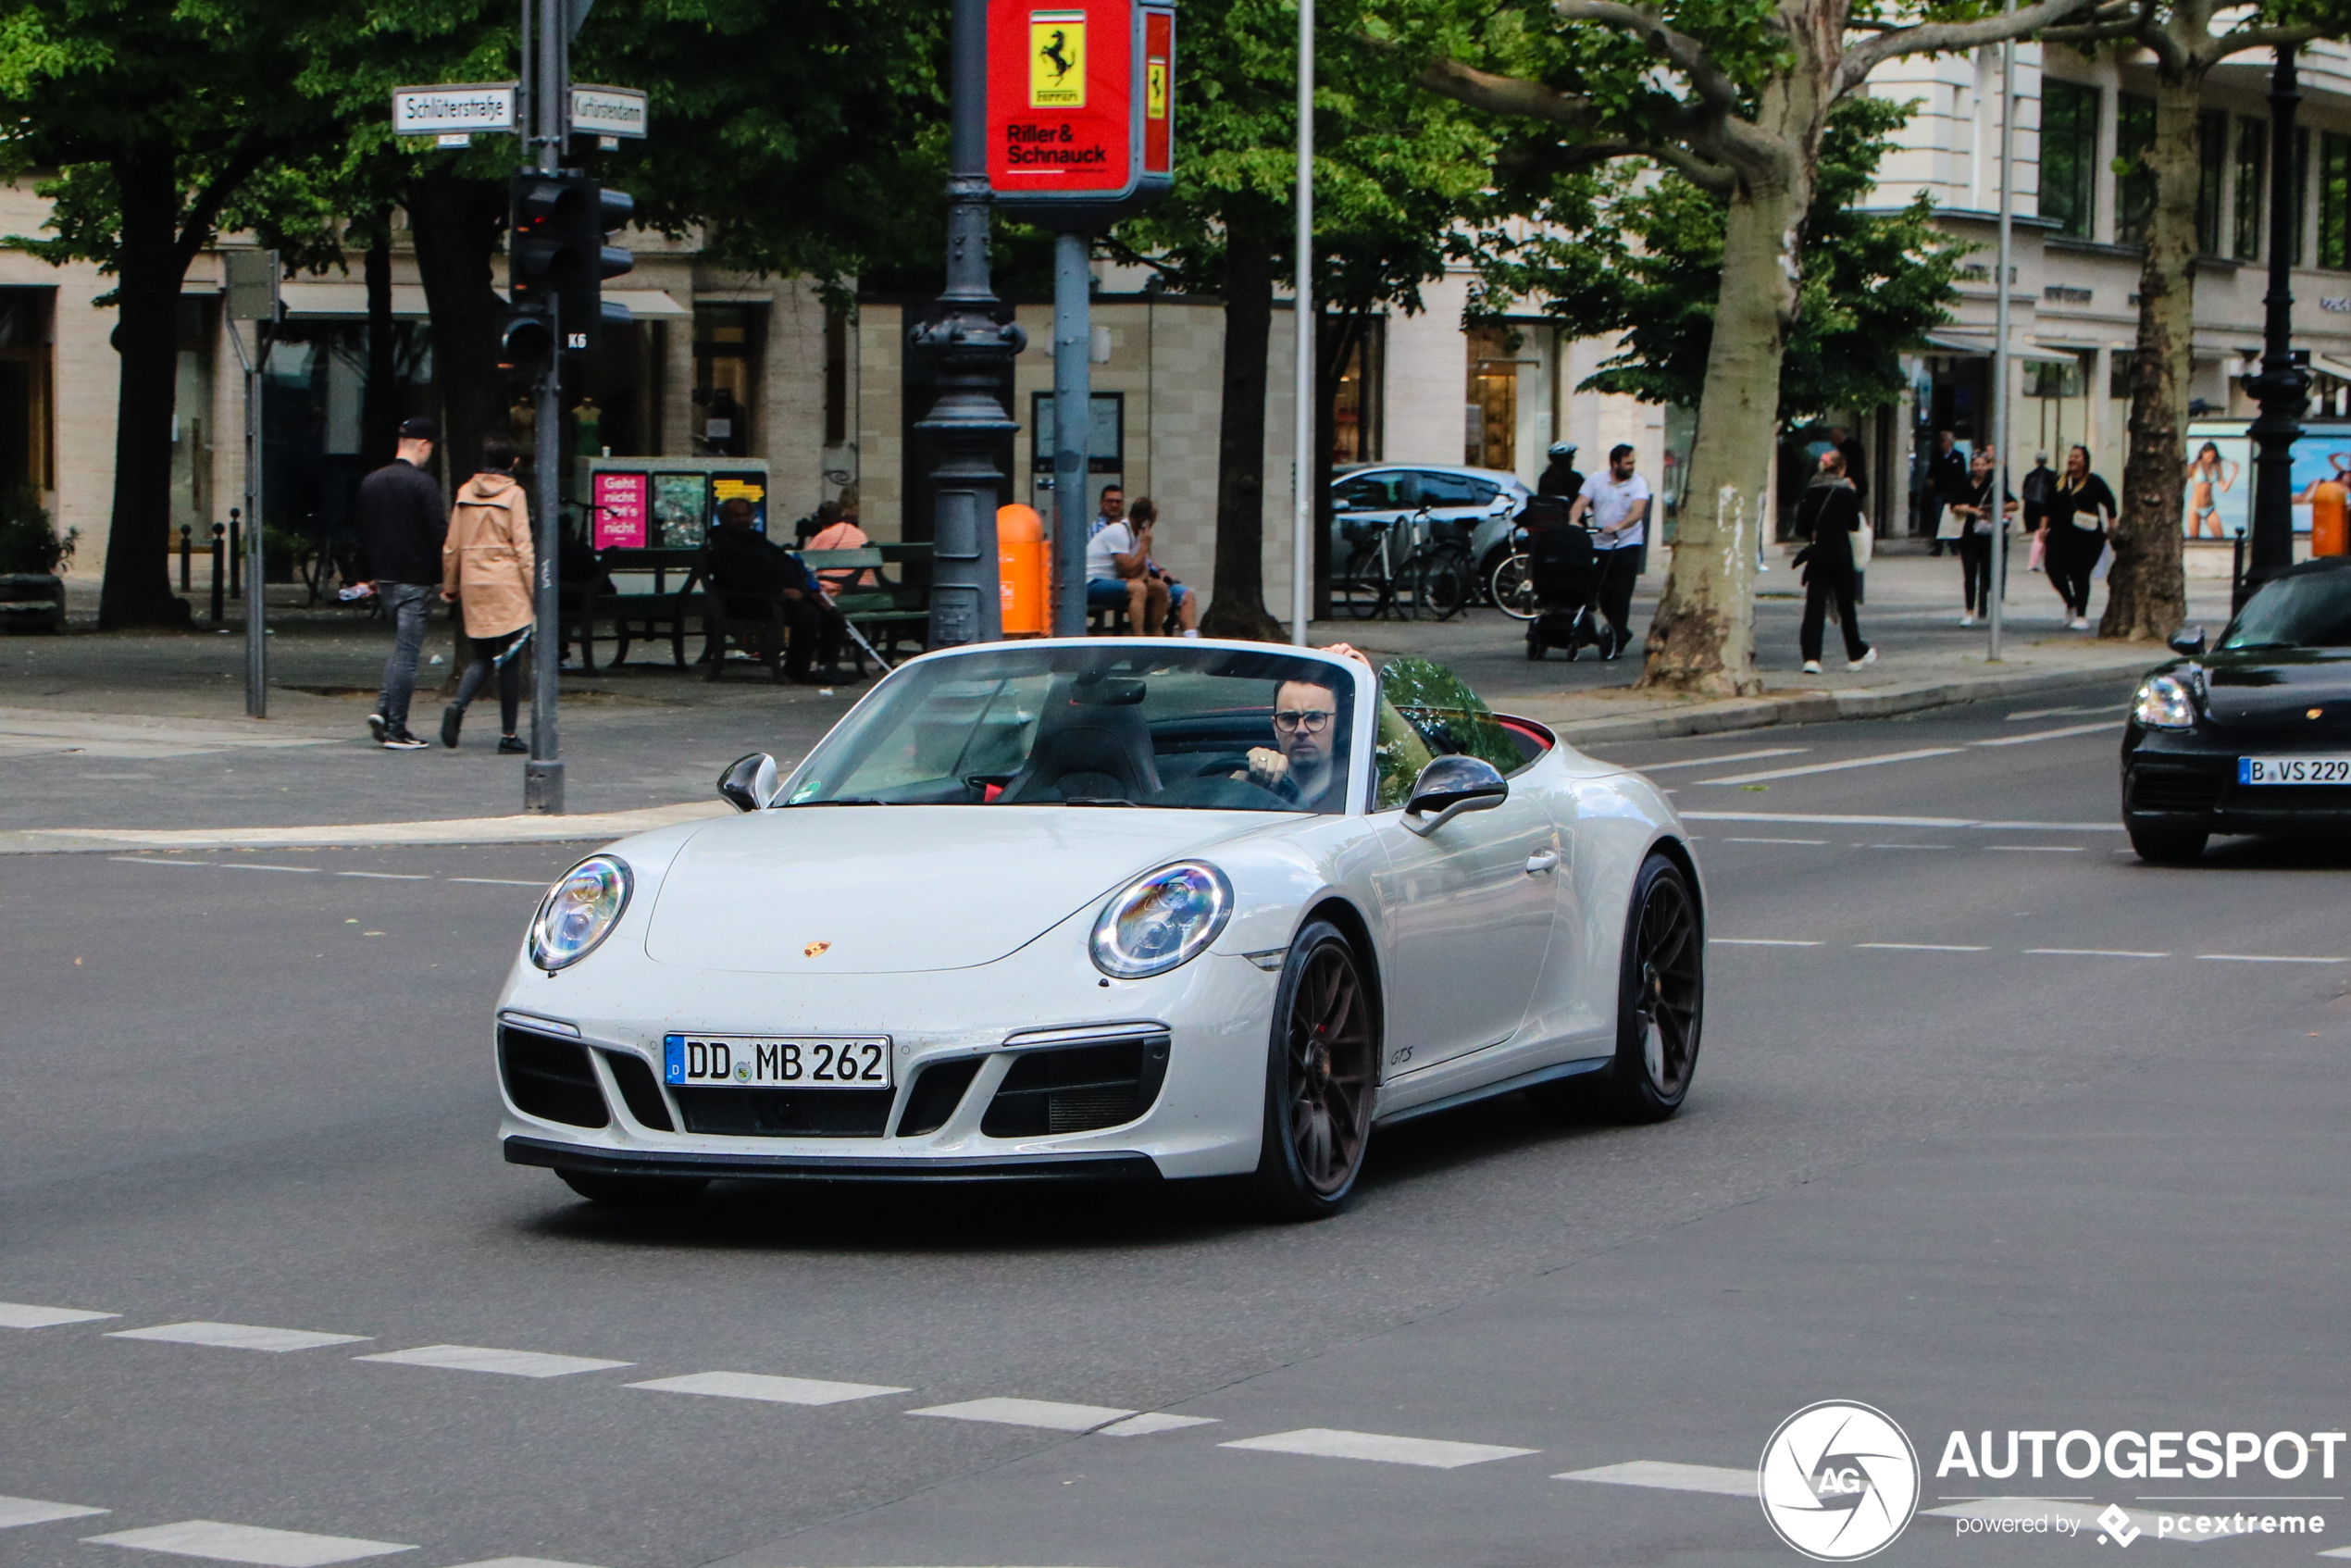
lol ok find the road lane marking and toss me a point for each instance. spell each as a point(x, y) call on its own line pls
point(2062, 713)
point(389, 876)
point(1902, 846)
point(2264, 958)
point(240, 865)
point(249, 1543)
point(775, 1390)
point(1324, 1442)
point(2038, 849)
point(1824, 820)
point(494, 881)
point(1815, 843)
point(239, 1337)
point(1879, 761)
point(1668, 1477)
point(523, 1562)
point(478, 1357)
point(1152, 1421)
point(1924, 947)
point(31, 1511)
point(17, 1314)
point(1717, 762)
point(1756, 942)
point(2089, 952)
point(1045, 1414)
point(150, 860)
point(2107, 728)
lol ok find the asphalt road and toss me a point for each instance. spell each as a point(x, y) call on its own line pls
point(1995, 1129)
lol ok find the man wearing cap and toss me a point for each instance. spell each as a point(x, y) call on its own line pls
point(403, 522)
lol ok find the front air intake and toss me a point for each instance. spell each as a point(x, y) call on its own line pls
point(1077, 1087)
point(550, 1078)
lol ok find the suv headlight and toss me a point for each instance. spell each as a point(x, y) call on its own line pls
point(1161, 920)
point(580, 911)
point(2163, 703)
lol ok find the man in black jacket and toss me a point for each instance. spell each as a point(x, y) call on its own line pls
point(752, 572)
point(1946, 482)
point(402, 520)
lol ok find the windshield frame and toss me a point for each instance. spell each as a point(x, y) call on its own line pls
point(1363, 681)
point(2336, 578)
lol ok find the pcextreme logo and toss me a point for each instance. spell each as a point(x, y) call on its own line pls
point(1838, 1481)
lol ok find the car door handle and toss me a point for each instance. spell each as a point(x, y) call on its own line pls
point(1542, 861)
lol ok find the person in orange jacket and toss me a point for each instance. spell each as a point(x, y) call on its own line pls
point(488, 565)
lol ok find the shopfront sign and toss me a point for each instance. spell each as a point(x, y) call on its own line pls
point(1080, 105)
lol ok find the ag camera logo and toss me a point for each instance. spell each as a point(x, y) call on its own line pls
point(1838, 1481)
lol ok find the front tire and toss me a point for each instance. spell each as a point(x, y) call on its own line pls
point(633, 1192)
point(2169, 846)
point(1321, 1072)
point(1661, 998)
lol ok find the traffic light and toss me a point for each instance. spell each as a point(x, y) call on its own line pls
point(557, 263)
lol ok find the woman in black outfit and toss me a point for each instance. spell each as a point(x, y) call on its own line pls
point(1829, 514)
point(1979, 534)
point(2081, 510)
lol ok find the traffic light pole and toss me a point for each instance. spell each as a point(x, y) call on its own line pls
point(543, 775)
point(1073, 426)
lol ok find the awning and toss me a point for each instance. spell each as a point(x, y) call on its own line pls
point(2031, 354)
point(348, 302)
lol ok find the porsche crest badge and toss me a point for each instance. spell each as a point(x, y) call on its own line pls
point(815, 950)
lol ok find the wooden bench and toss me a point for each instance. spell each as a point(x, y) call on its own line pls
point(881, 611)
point(638, 616)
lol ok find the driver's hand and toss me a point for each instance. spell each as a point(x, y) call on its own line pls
point(1267, 767)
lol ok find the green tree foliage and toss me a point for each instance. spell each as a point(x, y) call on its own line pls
point(1395, 172)
point(1638, 253)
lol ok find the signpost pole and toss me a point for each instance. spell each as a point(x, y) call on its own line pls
point(252, 296)
point(542, 774)
point(2282, 386)
point(1301, 567)
point(2001, 428)
point(1072, 425)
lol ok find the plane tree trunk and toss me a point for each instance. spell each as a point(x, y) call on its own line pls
point(1237, 607)
point(137, 590)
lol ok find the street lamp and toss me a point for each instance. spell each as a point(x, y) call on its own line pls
point(1301, 565)
point(2283, 383)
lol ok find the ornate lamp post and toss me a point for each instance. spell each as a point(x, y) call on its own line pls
point(2281, 385)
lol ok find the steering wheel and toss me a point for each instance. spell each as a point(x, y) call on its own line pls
point(1286, 790)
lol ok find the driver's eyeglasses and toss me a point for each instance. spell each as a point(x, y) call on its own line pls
point(1309, 721)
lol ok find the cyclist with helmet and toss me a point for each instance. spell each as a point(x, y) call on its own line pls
point(1561, 478)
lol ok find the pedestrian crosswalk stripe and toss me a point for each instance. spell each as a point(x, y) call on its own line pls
point(31, 1511)
point(249, 1543)
point(1669, 1476)
point(777, 1391)
point(1834, 767)
point(480, 1358)
point(1045, 1414)
point(239, 1336)
point(1153, 1420)
point(1326, 1442)
point(18, 1315)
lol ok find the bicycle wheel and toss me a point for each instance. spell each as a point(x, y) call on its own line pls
point(1513, 587)
point(1361, 590)
point(1443, 588)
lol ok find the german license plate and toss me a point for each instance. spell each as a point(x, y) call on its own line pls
point(776, 1061)
point(2293, 770)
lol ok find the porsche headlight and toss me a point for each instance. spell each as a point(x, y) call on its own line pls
point(578, 911)
point(1159, 921)
point(2163, 703)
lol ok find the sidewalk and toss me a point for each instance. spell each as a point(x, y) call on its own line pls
point(115, 740)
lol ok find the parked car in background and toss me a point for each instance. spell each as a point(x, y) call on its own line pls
point(1383, 492)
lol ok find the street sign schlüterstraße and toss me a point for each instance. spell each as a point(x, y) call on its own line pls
point(452, 108)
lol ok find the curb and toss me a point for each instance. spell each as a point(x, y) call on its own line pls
point(1827, 707)
point(517, 829)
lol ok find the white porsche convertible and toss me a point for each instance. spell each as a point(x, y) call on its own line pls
point(1110, 908)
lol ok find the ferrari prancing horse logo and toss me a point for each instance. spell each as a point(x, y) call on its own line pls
point(1056, 59)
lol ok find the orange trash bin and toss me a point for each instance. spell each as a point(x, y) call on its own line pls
point(1020, 562)
point(2330, 519)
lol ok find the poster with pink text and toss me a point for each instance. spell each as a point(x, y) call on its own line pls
point(622, 501)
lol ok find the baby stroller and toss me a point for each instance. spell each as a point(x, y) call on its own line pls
point(1563, 570)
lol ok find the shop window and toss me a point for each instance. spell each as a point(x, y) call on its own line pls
point(27, 431)
point(835, 377)
point(2134, 186)
point(727, 338)
point(2212, 154)
point(2117, 375)
point(2044, 379)
point(1105, 434)
point(2068, 155)
point(1489, 438)
point(2301, 188)
point(1355, 406)
point(2334, 201)
point(2253, 165)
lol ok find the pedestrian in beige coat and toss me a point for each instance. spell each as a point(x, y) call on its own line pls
point(488, 565)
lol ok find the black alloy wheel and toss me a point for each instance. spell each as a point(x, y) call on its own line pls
point(633, 1192)
point(2168, 846)
point(1322, 1070)
point(1661, 998)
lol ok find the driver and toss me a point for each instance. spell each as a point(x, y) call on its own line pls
point(1306, 730)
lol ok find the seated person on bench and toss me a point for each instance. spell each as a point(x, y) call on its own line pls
point(747, 569)
point(1119, 575)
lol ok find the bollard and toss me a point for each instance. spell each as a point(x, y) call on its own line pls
point(2236, 576)
point(236, 557)
point(184, 535)
point(219, 578)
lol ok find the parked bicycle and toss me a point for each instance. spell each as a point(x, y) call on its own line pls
point(1411, 568)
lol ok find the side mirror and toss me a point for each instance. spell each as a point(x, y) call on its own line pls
point(2188, 640)
point(1450, 786)
point(749, 782)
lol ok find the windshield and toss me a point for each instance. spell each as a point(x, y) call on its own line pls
point(1188, 728)
point(2307, 610)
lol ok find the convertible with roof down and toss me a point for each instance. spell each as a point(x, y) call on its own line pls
point(1141, 908)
